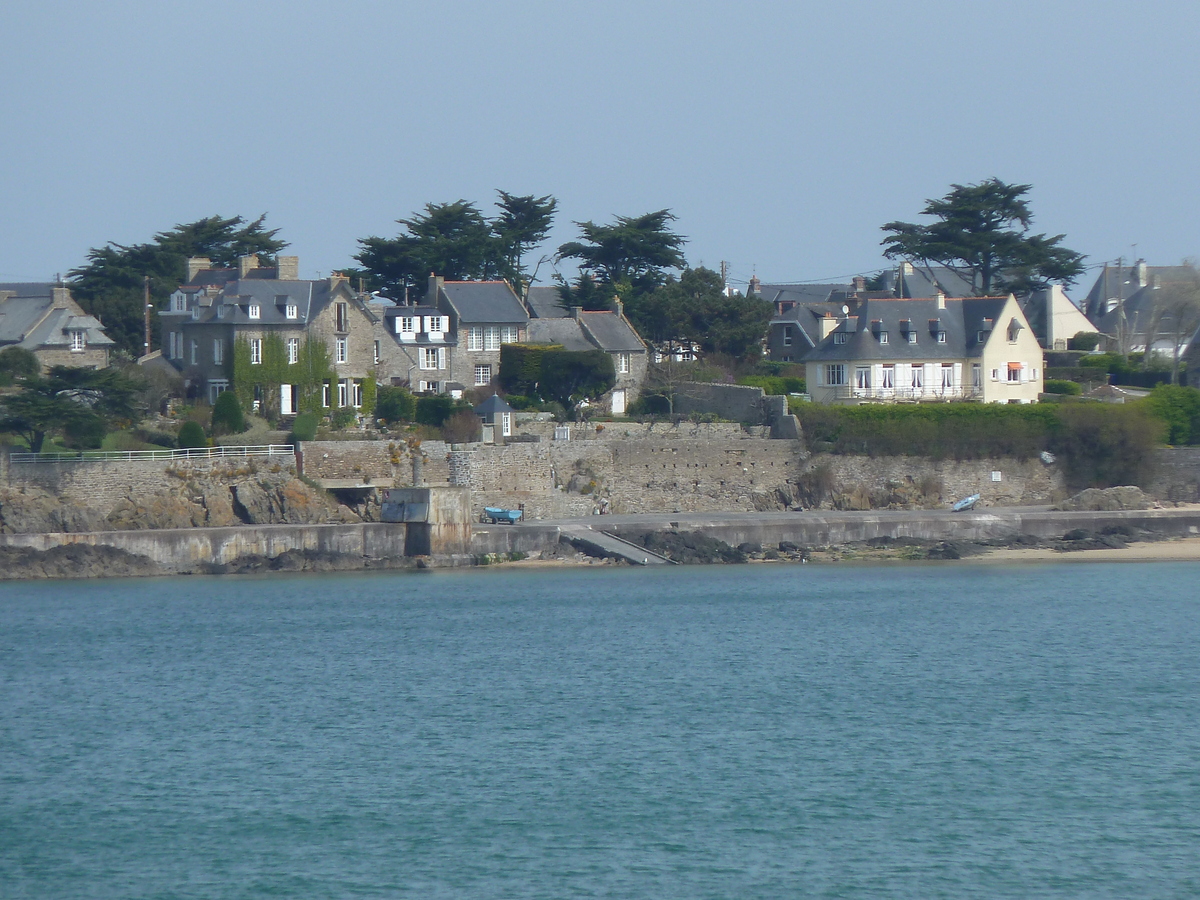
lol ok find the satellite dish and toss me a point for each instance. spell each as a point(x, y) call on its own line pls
point(845, 310)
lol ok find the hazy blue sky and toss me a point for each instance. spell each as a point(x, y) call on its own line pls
point(782, 134)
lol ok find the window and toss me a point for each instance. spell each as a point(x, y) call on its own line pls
point(430, 387)
point(290, 311)
point(941, 337)
point(254, 311)
point(78, 341)
point(912, 337)
point(255, 351)
point(406, 325)
point(483, 375)
point(491, 338)
point(976, 376)
point(343, 399)
point(1014, 372)
point(180, 303)
point(341, 317)
point(433, 357)
point(475, 338)
point(378, 356)
point(622, 363)
point(508, 334)
point(293, 348)
point(862, 377)
point(339, 354)
point(195, 347)
point(218, 351)
point(505, 424)
point(171, 345)
point(835, 375)
point(787, 335)
point(918, 375)
point(979, 338)
point(883, 337)
point(995, 374)
point(216, 387)
point(947, 375)
point(325, 394)
point(356, 394)
point(889, 377)
point(839, 337)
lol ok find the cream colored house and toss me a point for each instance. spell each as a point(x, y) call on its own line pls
point(928, 349)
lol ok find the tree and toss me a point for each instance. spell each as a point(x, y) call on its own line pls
point(696, 308)
point(982, 233)
point(523, 223)
point(191, 436)
point(80, 404)
point(227, 416)
point(572, 376)
point(634, 253)
point(17, 364)
point(1175, 318)
point(111, 285)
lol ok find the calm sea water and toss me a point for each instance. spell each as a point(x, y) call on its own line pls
point(740, 732)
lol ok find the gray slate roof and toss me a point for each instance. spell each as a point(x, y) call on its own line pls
point(591, 331)
point(961, 320)
point(28, 320)
point(546, 303)
point(1140, 296)
point(559, 331)
point(485, 302)
point(272, 297)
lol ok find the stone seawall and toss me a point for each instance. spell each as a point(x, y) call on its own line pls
point(177, 550)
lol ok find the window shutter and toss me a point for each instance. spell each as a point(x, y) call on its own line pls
point(441, 357)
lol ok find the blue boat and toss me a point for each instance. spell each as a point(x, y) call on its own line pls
point(497, 516)
point(966, 503)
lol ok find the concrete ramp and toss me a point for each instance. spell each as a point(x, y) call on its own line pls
point(601, 543)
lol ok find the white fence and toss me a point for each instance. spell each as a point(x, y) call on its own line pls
point(192, 453)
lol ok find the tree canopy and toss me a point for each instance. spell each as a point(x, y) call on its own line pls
point(982, 232)
point(110, 285)
point(77, 403)
point(455, 240)
point(634, 253)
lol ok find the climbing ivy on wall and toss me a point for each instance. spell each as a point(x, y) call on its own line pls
point(307, 375)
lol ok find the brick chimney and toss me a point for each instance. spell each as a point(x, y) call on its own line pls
point(246, 264)
point(860, 283)
point(194, 266)
point(287, 268)
point(60, 297)
point(436, 283)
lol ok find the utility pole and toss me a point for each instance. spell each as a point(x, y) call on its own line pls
point(146, 311)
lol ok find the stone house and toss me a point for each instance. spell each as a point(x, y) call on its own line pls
point(927, 349)
point(607, 330)
point(45, 319)
point(1134, 308)
point(450, 341)
point(208, 317)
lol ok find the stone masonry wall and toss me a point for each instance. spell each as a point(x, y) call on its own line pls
point(1177, 475)
point(99, 484)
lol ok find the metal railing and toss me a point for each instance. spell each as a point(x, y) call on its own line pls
point(191, 453)
point(960, 392)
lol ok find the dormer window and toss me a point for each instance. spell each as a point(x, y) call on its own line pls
point(290, 311)
point(883, 337)
point(980, 337)
point(180, 303)
point(254, 311)
point(78, 341)
point(406, 325)
point(1014, 330)
point(839, 337)
point(912, 337)
point(941, 337)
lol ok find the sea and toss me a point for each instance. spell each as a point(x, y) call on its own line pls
point(908, 730)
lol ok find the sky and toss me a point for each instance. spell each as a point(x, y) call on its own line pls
point(782, 134)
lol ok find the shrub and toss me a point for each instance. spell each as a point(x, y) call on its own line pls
point(463, 427)
point(1178, 408)
point(191, 435)
point(436, 410)
point(775, 384)
point(394, 404)
point(1084, 340)
point(1104, 444)
point(17, 363)
point(343, 416)
point(305, 427)
point(1060, 386)
point(227, 417)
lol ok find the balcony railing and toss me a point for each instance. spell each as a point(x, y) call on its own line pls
point(192, 453)
point(960, 392)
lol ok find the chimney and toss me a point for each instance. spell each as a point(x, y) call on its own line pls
point(941, 300)
point(246, 264)
point(828, 324)
point(287, 268)
point(860, 283)
point(620, 308)
point(1142, 274)
point(60, 297)
point(575, 311)
point(194, 266)
point(336, 278)
point(436, 283)
point(906, 268)
point(755, 286)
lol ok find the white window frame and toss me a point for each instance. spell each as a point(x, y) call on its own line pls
point(1018, 369)
point(475, 337)
point(947, 376)
point(291, 311)
point(509, 334)
point(378, 353)
point(862, 378)
point(293, 351)
point(941, 337)
point(839, 337)
point(78, 341)
point(340, 351)
point(255, 351)
point(194, 347)
point(888, 379)
point(622, 363)
point(912, 337)
point(883, 338)
point(254, 311)
point(180, 303)
point(491, 337)
point(325, 394)
point(216, 387)
point(835, 375)
point(483, 374)
point(432, 358)
point(976, 376)
point(218, 346)
point(787, 335)
point(356, 392)
point(343, 396)
point(406, 325)
point(918, 376)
